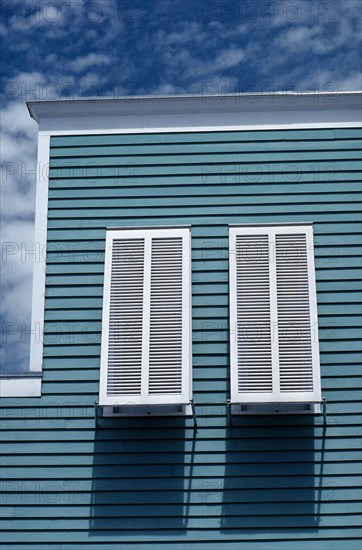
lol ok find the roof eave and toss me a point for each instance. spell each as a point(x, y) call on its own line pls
point(146, 105)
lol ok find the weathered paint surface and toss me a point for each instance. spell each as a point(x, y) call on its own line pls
point(266, 482)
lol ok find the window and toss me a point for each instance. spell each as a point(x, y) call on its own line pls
point(146, 339)
point(273, 319)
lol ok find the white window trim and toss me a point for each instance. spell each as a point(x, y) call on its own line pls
point(145, 400)
point(20, 385)
point(276, 398)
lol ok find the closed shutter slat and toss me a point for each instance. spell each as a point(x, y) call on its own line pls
point(294, 329)
point(166, 307)
point(253, 314)
point(125, 317)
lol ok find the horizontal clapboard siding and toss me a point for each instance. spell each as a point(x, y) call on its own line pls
point(265, 483)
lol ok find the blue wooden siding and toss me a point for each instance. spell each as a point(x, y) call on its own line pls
point(277, 483)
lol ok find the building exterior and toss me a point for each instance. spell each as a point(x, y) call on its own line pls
point(205, 463)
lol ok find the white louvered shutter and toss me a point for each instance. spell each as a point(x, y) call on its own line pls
point(146, 329)
point(273, 315)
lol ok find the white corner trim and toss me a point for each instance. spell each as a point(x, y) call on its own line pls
point(41, 217)
point(20, 387)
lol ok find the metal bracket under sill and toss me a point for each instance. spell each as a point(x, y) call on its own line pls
point(129, 411)
point(256, 409)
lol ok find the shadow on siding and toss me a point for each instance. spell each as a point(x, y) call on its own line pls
point(138, 486)
point(273, 474)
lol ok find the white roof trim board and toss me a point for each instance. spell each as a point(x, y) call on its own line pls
point(204, 112)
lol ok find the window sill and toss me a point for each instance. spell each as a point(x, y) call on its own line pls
point(20, 384)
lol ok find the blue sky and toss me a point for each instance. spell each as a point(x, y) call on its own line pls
point(73, 48)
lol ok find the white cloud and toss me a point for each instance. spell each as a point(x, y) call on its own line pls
point(15, 120)
point(351, 82)
point(322, 39)
point(187, 33)
point(165, 89)
point(26, 18)
point(25, 86)
point(185, 64)
point(18, 256)
point(16, 280)
point(18, 157)
point(83, 63)
point(334, 81)
point(90, 83)
point(228, 58)
point(18, 154)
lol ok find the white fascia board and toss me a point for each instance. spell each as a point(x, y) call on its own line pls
point(145, 105)
point(20, 387)
point(136, 114)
